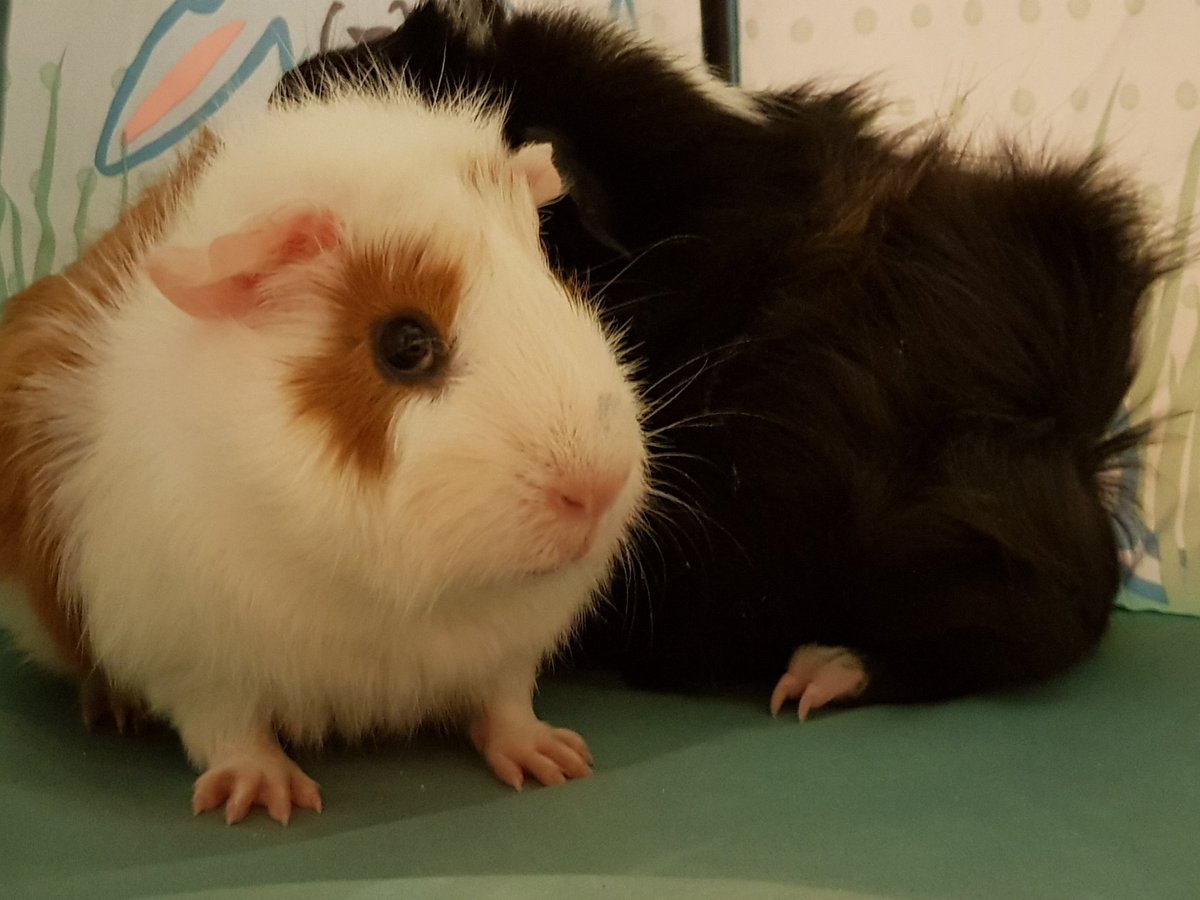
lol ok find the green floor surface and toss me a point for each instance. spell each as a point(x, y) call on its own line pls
point(1089, 787)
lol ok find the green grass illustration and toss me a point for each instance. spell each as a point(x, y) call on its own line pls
point(12, 271)
point(3, 268)
point(85, 181)
point(1174, 513)
point(16, 281)
point(1100, 138)
point(51, 75)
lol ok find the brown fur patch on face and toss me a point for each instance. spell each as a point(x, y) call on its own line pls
point(48, 330)
point(341, 389)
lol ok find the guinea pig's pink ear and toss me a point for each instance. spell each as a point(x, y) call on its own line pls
point(536, 163)
point(223, 279)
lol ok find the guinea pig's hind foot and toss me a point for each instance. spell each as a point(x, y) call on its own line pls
point(818, 675)
point(261, 775)
point(101, 702)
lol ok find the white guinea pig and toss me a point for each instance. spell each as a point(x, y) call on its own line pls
point(312, 441)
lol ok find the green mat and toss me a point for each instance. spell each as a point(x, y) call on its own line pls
point(1089, 787)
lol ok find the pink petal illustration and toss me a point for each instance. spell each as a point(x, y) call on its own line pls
point(182, 78)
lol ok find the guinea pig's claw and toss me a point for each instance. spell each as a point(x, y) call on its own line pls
point(818, 675)
point(550, 755)
point(271, 781)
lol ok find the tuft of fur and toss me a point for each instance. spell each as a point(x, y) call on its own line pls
point(881, 373)
point(193, 513)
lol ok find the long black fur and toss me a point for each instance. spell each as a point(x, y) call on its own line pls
point(882, 373)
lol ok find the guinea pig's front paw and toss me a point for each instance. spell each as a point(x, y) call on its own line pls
point(259, 777)
point(514, 748)
point(818, 675)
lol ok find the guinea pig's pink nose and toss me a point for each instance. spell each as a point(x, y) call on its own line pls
point(577, 500)
point(583, 497)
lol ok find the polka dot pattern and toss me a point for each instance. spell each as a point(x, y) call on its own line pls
point(865, 20)
point(1079, 9)
point(1030, 100)
point(801, 31)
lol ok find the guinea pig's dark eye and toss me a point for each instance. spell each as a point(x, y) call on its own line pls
point(408, 348)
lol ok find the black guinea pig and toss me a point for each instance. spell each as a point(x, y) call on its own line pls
point(883, 372)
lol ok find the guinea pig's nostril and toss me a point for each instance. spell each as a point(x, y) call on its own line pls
point(582, 497)
point(570, 503)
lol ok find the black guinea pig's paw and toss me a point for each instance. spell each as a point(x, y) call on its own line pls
point(817, 675)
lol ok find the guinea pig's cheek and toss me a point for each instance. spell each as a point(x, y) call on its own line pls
point(442, 519)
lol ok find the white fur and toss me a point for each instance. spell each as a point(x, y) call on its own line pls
point(232, 572)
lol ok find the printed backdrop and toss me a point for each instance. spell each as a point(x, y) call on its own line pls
point(98, 95)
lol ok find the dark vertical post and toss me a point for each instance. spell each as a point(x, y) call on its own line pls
point(719, 37)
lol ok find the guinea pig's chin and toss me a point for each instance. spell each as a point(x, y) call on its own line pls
point(542, 570)
point(567, 579)
point(592, 565)
point(549, 570)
